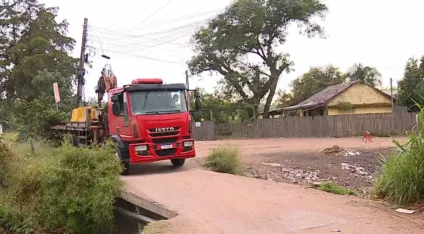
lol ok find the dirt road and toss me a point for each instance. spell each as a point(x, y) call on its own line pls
point(209, 202)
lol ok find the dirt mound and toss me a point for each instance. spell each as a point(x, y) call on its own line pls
point(332, 150)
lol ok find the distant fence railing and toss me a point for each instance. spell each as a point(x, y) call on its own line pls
point(316, 126)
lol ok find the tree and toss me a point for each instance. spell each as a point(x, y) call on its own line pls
point(215, 107)
point(34, 54)
point(285, 99)
point(315, 80)
point(411, 87)
point(366, 74)
point(248, 30)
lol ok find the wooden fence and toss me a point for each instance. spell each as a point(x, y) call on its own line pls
point(316, 126)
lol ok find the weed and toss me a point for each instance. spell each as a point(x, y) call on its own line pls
point(225, 160)
point(332, 187)
point(155, 228)
point(402, 174)
point(6, 159)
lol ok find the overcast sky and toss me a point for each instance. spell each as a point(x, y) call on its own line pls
point(380, 33)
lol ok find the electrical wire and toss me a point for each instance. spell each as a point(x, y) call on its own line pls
point(146, 57)
point(163, 22)
point(150, 16)
point(160, 37)
point(252, 6)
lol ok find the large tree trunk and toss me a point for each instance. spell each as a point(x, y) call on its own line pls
point(271, 95)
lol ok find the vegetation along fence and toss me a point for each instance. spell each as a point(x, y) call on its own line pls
point(397, 123)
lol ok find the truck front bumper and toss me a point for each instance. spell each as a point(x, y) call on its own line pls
point(150, 152)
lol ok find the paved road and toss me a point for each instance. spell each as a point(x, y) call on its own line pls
point(208, 202)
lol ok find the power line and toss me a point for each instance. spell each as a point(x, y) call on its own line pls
point(252, 6)
point(146, 57)
point(153, 14)
point(163, 22)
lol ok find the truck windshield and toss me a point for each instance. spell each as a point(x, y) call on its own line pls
point(158, 102)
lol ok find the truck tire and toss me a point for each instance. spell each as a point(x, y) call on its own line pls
point(126, 165)
point(178, 162)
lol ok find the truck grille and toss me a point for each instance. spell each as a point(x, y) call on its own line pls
point(165, 140)
point(166, 152)
point(163, 132)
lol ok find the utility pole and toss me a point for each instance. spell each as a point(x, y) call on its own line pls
point(391, 93)
point(188, 88)
point(80, 79)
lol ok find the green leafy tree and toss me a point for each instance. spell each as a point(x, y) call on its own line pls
point(217, 108)
point(315, 80)
point(285, 99)
point(368, 75)
point(248, 30)
point(411, 87)
point(34, 52)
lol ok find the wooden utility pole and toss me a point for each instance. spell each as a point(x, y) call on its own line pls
point(391, 93)
point(188, 88)
point(80, 78)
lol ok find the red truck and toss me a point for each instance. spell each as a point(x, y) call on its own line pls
point(147, 120)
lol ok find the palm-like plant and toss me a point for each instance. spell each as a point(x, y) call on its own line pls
point(368, 75)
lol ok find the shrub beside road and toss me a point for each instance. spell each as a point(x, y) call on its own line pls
point(225, 159)
point(57, 190)
point(402, 177)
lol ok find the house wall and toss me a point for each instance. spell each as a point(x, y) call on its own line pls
point(361, 110)
point(365, 100)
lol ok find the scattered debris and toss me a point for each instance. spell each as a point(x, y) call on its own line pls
point(337, 150)
point(337, 230)
point(354, 169)
point(297, 175)
point(405, 211)
point(272, 164)
point(351, 153)
point(332, 150)
point(251, 174)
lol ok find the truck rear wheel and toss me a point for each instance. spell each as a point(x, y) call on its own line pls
point(178, 162)
point(126, 165)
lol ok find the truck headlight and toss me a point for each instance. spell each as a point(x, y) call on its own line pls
point(141, 148)
point(188, 143)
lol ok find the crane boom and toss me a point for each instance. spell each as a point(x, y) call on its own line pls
point(106, 82)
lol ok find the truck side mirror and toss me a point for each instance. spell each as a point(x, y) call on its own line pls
point(197, 101)
point(196, 94)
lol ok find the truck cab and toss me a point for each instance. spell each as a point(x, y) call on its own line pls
point(150, 121)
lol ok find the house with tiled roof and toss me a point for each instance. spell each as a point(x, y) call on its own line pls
point(352, 97)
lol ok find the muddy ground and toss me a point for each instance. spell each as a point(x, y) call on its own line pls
point(356, 169)
point(299, 160)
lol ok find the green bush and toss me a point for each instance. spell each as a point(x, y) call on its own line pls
point(331, 187)
point(64, 189)
point(402, 177)
point(225, 160)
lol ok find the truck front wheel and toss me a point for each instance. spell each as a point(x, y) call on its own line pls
point(178, 162)
point(121, 157)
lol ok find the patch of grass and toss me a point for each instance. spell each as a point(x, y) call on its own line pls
point(155, 228)
point(224, 160)
point(402, 176)
point(61, 190)
point(332, 187)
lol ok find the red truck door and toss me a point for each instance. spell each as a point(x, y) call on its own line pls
point(119, 123)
